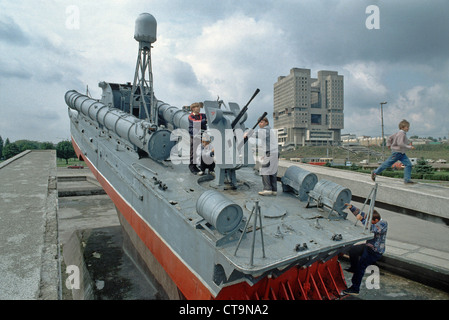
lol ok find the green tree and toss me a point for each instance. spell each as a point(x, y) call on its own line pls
point(1, 147)
point(27, 145)
point(10, 150)
point(423, 167)
point(47, 146)
point(64, 150)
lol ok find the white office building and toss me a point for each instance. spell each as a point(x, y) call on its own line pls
point(309, 111)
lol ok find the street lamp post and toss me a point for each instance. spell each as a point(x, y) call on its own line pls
point(382, 120)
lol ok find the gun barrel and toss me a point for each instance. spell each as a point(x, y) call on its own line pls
point(244, 109)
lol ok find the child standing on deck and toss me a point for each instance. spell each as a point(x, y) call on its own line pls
point(269, 164)
point(197, 124)
point(399, 144)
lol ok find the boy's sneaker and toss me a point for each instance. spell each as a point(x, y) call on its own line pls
point(212, 173)
point(409, 182)
point(351, 291)
point(200, 173)
point(266, 193)
point(373, 176)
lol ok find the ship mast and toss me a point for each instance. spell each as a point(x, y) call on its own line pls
point(142, 99)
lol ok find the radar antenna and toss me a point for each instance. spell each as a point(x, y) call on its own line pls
point(142, 96)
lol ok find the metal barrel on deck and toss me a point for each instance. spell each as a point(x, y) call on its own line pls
point(223, 214)
point(299, 180)
point(331, 195)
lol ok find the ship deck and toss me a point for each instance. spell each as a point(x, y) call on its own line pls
point(292, 233)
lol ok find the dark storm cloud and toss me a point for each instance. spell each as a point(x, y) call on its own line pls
point(335, 32)
point(414, 32)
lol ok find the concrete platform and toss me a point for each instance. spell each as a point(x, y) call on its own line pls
point(72, 182)
point(91, 238)
point(29, 267)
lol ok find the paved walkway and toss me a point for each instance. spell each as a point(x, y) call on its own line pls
point(28, 227)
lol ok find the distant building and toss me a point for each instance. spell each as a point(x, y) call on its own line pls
point(351, 139)
point(418, 141)
point(309, 111)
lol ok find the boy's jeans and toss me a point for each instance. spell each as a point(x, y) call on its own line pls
point(395, 156)
point(367, 258)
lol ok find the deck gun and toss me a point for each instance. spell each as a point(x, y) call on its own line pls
point(243, 111)
point(226, 126)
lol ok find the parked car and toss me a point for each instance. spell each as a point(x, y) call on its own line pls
point(75, 166)
point(441, 161)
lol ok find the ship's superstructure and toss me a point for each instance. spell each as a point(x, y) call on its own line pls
point(209, 237)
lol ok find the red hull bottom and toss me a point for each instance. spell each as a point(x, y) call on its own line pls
point(320, 281)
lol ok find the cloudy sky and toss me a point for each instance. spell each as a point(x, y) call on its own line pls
point(227, 48)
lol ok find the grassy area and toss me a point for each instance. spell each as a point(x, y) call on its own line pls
point(322, 152)
point(73, 161)
point(434, 152)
